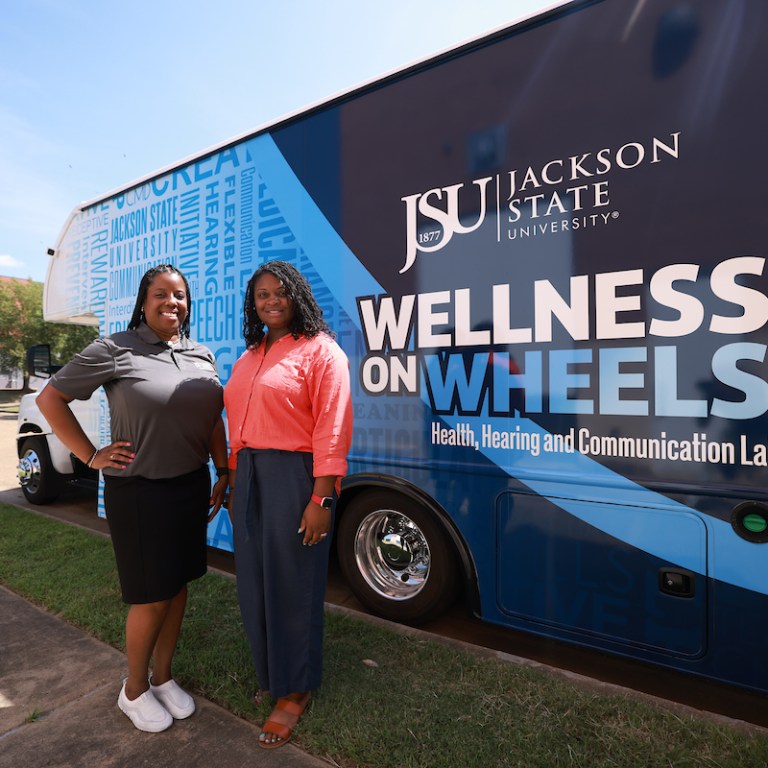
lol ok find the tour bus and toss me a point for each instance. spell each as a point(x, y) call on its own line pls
point(544, 254)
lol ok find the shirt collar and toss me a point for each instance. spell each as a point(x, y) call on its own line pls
point(145, 333)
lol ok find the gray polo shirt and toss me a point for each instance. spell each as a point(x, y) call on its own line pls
point(163, 398)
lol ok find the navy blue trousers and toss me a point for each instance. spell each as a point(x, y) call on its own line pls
point(280, 582)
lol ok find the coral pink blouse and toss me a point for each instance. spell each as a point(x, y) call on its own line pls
point(295, 398)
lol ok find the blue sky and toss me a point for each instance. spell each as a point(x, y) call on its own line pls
point(94, 95)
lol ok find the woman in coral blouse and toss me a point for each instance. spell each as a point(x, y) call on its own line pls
point(290, 428)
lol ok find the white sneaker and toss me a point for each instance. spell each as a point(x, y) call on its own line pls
point(146, 712)
point(174, 698)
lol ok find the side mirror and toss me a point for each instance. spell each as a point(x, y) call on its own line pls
point(39, 361)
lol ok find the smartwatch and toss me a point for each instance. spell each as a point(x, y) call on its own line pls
point(324, 501)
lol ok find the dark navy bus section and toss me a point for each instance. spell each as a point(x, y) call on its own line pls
point(544, 254)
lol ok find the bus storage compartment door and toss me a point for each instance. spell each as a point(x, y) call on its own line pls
point(572, 576)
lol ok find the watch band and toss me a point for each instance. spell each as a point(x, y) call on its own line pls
point(324, 501)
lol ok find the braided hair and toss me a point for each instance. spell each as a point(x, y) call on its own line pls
point(307, 316)
point(138, 310)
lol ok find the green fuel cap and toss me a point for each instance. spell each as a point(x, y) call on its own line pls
point(750, 521)
point(755, 523)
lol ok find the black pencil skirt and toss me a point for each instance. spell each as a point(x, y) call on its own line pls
point(158, 530)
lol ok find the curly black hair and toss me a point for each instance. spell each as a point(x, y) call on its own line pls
point(307, 316)
point(138, 310)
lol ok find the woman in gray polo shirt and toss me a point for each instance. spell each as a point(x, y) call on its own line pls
point(165, 402)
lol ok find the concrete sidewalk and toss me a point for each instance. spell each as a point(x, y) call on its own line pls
point(58, 707)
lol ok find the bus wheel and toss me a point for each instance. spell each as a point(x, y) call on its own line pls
point(40, 482)
point(396, 557)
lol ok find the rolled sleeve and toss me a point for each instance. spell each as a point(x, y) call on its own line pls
point(332, 411)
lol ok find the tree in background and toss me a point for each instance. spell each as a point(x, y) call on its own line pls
point(22, 325)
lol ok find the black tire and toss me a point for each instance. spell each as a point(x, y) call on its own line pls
point(40, 482)
point(396, 557)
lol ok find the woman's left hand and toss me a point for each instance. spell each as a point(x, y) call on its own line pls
point(315, 524)
point(217, 496)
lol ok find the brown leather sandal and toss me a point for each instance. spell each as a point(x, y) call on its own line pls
point(282, 721)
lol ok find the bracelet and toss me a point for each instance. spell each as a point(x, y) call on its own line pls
point(89, 464)
point(221, 472)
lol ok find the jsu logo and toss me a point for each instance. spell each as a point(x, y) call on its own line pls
point(438, 212)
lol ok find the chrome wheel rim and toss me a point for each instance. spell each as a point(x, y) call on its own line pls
point(29, 471)
point(392, 555)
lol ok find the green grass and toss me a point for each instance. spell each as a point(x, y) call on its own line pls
point(422, 704)
point(9, 400)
